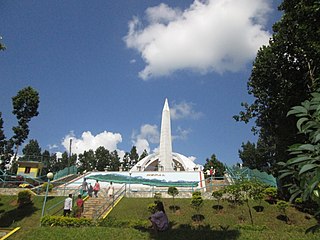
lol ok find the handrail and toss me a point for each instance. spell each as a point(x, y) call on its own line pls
point(98, 212)
point(61, 203)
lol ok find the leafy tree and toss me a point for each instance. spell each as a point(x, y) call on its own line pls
point(25, 107)
point(5, 147)
point(126, 162)
point(143, 154)
point(31, 152)
point(218, 195)
point(66, 161)
point(134, 156)
point(197, 203)
point(304, 167)
point(115, 161)
point(2, 46)
point(283, 75)
point(282, 206)
point(173, 191)
point(46, 160)
point(253, 156)
point(102, 156)
point(54, 164)
point(216, 164)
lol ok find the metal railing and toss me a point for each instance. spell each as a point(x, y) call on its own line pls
point(58, 207)
point(107, 204)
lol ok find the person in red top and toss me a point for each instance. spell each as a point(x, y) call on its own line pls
point(96, 188)
point(80, 206)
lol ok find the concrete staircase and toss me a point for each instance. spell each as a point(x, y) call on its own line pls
point(92, 204)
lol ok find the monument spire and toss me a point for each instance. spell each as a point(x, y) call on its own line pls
point(165, 151)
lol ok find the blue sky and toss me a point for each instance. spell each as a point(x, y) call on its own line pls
point(104, 68)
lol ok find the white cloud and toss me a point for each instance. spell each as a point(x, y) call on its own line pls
point(181, 134)
point(212, 35)
point(148, 133)
point(52, 146)
point(88, 141)
point(184, 110)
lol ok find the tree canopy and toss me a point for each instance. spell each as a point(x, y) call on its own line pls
point(283, 75)
point(214, 163)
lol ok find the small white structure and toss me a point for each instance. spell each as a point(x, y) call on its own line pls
point(165, 159)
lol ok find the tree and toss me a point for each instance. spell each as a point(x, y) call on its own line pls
point(197, 203)
point(134, 156)
point(5, 147)
point(173, 191)
point(115, 161)
point(25, 107)
point(216, 164)
point(2, 46)
point(31, 152)
point(126, 162)
point(143, 154)
point(46, 160)
point(253, 156)
point(303, 169)
point(283, 75)
point(102, 156)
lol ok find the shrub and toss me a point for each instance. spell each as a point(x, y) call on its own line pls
point(24, 198)
point(196, 201)
point(271, 194)
point(282, 206)
point(173, 191)
point(66, 221)
point(157, 196)
point(218, 195)
point(298, 200)
point(44, 187)
point(152, 208)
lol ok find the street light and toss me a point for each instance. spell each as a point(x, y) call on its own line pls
point(129, 181)
point(49, 176)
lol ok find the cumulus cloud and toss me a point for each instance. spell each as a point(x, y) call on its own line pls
point(88, 141)
point(184, 110)
point(181, 134)
point(212, 35)
point(52, 146)
point(148, 133)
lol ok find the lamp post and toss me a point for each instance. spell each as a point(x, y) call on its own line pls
point(49, 176)
point(129, 182)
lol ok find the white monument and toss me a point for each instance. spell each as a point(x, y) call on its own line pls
point(165, 159)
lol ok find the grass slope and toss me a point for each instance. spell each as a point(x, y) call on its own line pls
point(129, 221)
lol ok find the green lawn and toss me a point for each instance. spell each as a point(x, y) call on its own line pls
point(129, 221)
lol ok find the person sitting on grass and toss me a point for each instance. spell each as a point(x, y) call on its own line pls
point(159, 219)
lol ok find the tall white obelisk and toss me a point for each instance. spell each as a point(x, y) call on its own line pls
point(165, 151)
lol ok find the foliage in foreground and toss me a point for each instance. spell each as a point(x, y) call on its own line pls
point(66, 221)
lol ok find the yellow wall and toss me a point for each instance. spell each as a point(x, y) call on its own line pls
point(33, 171)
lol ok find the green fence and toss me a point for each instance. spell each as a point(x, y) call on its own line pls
point(245, 173)
point(65, 172)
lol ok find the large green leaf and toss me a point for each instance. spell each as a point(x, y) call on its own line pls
point(307, 147)
point(297, 109)
point(300, 122)
point(299, 159)
point(308, 167)
point(286, 174)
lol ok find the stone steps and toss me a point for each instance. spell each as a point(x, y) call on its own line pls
point(91, 205)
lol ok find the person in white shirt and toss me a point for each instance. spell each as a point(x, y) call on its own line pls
point(67, 206)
